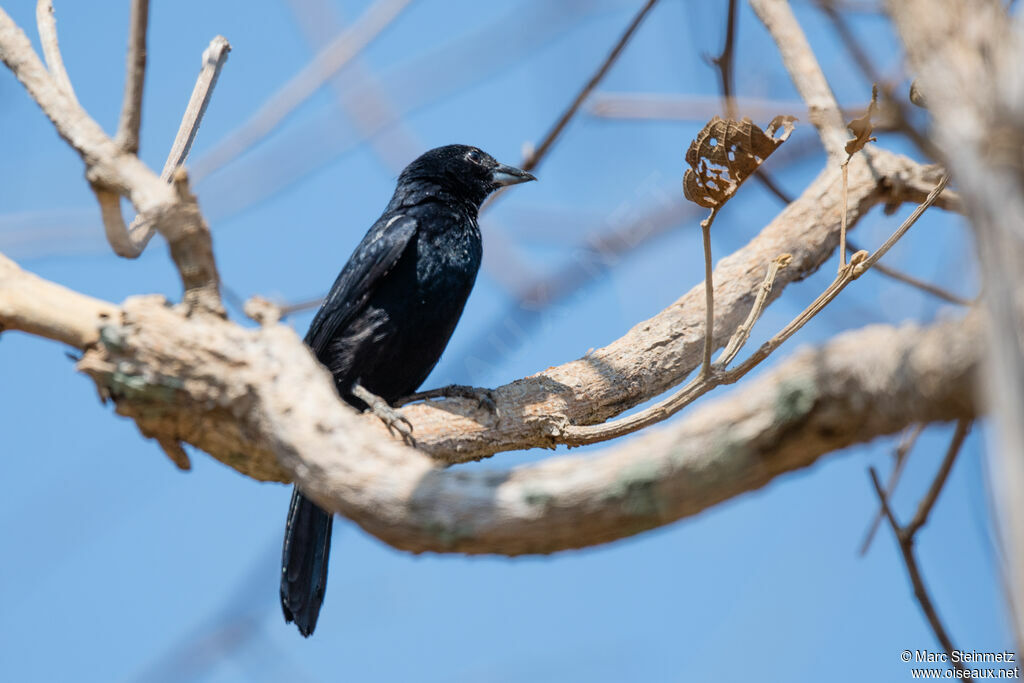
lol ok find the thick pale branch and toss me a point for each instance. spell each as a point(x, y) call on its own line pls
point(244, 393)
point(37, 306)
point(659, 353)
point(257, 400)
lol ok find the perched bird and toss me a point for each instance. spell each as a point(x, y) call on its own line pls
point(386, 320)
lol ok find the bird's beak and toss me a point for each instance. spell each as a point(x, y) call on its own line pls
point(509, 175)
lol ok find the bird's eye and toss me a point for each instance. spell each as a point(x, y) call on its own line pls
point(474, 156)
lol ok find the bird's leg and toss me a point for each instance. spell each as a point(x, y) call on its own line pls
point(395, 421)
point(484, 397)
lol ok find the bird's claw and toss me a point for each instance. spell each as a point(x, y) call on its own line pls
point(395, 422)
point(392, 419)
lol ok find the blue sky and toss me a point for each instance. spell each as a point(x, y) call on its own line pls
point(118, 567)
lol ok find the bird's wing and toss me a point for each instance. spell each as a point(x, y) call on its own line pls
point(373, 259)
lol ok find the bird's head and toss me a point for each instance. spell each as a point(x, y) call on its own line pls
point(466, 171)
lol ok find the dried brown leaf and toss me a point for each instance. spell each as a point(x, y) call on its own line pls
point(862, 127)
point(727, 152)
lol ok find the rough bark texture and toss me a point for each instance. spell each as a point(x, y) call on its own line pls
point(257, 397)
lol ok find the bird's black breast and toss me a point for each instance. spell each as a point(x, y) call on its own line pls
point(393, 342)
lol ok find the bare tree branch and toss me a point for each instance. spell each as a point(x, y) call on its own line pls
point(214, 57)
point(906, 444)
point(131, 242)
point(806, 73)
point(924, 509)
point(554, 406)
point(536, 411)
point(258, 400)
point(905, 536)
point(917, 283)
point(127, 137)
point(535, 154)
point(896, 105)
point(172, 210)
point(532, 159)
point(46, 21)
point(714, 376)
point(37, 306)
point(724, 63)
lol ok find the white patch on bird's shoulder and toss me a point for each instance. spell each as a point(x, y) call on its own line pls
point(393, 219)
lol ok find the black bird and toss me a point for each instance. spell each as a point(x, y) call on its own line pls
point(387, 319)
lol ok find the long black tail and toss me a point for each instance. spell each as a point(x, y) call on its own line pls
point(307, 547)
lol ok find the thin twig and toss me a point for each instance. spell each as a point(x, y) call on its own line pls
point(299, 306)
point(924, 509)
point(533, 159)
point(726, 75)
point(214, 57)
point(46, 20)
point(724, 62)
point(304, 84)
point(907, 224)
point(742, 333)
point(700, 385)
point(914, 572)
point(842, 222)
point(906, 444)
point(130, 242)
point(905, 536)
point(127, 136)
point(578, 435)
point(927, 287)
point(863, 61)
point(805, 72)
point(709, 293)
point(535, 155)
point(772, 186)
